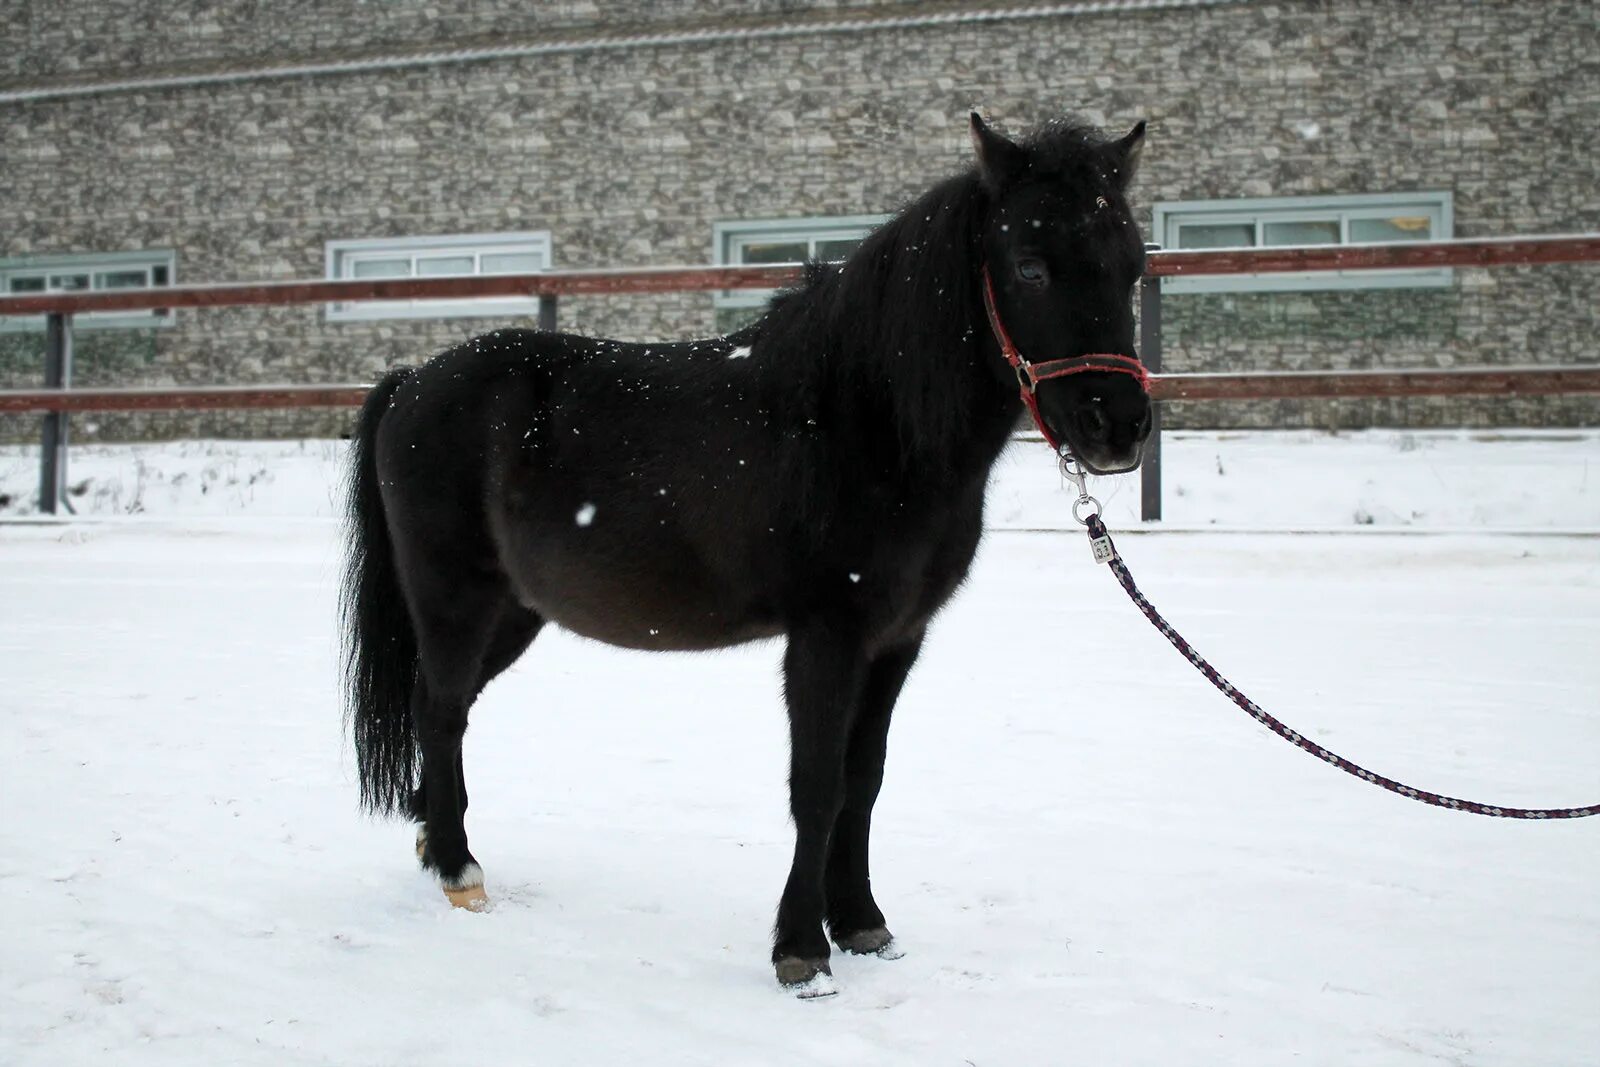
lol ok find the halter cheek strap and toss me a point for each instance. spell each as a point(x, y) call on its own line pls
point(1029, 375)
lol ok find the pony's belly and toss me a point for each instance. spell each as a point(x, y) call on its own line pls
point(641, 610)
point(658, 631)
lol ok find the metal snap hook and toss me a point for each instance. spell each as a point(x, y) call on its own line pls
point(1072, 472)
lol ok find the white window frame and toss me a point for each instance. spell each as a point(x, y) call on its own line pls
point(730, 238)
point(94, 264)
point(1170, 216)
point(341, 256)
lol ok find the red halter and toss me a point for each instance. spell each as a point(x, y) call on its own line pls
point(1029, 375)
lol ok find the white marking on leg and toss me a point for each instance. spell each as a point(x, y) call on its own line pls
point(739, 353)
point(471, 877)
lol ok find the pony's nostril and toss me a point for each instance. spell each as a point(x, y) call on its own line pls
point(1092, 421)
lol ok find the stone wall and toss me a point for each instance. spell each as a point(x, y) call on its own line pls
point(67, 38)
point(628, 155)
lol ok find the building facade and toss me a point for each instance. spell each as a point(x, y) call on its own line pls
point(192, 141)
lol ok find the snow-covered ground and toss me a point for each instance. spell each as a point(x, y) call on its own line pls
point(1089, 856)
point(1435, 480)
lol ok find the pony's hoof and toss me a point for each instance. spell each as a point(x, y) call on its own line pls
point(817, 988)
point(465, 890)
point(472, 898)
point(806, 979)
point(875, 942)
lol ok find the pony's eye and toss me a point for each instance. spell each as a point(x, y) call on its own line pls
point(1030, 271)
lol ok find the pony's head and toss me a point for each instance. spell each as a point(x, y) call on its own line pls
point(1063, 254)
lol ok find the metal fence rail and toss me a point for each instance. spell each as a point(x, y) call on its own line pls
point(57, 400)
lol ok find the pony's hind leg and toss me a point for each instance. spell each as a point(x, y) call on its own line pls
point(516, 630)
point(440, 716)
point(458, 655)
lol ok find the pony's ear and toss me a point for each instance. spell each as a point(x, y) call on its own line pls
point(1127, 150)
point(999, 160)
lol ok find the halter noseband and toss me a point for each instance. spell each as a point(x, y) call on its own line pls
point(1029, 375)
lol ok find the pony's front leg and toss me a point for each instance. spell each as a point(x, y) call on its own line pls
point(854, 919)
point(823, 672)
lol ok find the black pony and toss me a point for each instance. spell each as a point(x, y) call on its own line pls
point(818, 476)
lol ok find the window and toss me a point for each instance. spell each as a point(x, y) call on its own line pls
point(763, 241)
point(437, 257)
point(88, 273)
point(1309, 220)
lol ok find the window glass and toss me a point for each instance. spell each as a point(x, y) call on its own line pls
point(444, 266)
point(440, 256)
point(1217, 235)
point(380, 268)
point(86, 272)
point(510, 262)
point(1399, 228)
point(1309, 232)
point(773, 251)
point(1306, 221)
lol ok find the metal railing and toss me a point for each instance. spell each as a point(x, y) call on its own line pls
point(57, 400)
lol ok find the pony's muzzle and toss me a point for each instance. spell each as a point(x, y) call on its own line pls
point(1104, 442)
point(1102, 465)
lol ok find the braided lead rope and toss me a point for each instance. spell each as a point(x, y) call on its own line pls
point(1106, 552)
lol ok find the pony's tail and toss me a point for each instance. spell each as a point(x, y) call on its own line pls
point(380, 647)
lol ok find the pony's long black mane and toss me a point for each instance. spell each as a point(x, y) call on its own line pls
point(892, 329)
point(900, 326)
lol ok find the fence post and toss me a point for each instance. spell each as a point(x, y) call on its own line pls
point(547, 313)
point(1150, 353)
point(53, 440)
